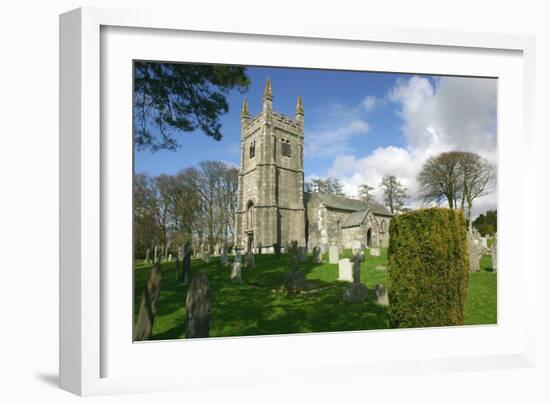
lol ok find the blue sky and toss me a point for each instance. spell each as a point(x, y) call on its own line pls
point(359, 126)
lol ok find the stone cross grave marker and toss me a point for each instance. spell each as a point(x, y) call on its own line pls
point(357, 291)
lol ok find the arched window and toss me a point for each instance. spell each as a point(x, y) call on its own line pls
point(250, 215)
point(252, 150)
point(285, 148)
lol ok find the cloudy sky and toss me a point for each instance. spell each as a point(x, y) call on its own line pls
point(359, 126)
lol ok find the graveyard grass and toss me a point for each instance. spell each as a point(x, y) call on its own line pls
point(259, 307)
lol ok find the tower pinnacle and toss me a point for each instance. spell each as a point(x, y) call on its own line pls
point(268, 96)
point(299, 109)
point(244, 109)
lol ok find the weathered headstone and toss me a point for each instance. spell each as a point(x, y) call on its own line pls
point(147, 255)
point(356, 291)
point(206, 257)
point(302, 253)
point(473, 252)
point(186, 264)
point(250, 260)
point(236, 268)
point(333, 254)
point(170, 257)
point(224, 259)
point(345, 271)
point(317, 257)
point(374, 251)
point(295, 280)
point(494, 254)
point(381, 295)
point(355, 247)
point(197, 305)
point(148, 308)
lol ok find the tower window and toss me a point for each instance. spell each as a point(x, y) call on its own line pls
point(252, 150)
point(286, 150)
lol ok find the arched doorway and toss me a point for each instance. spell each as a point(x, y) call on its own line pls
point(369, 237)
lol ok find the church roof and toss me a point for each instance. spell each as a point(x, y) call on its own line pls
point(355, 219)
point(345, 203)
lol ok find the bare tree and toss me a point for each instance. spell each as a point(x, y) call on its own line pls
point(394, 193)
point(365, 192)
point(439, 179)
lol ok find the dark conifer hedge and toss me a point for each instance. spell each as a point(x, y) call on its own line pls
point(428, 268)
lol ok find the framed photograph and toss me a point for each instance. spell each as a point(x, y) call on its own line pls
point(255, 201)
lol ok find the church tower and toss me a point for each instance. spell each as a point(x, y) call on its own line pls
point(270, 198)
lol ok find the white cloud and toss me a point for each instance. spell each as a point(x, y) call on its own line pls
point(448, 113)
point(331, 137)
point(370, 102)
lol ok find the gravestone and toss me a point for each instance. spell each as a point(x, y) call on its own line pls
point(473, 252)
point(295, 280)
point(250, 260)
point(206, 257)
point(484, 243)
point(186, 264)
point(333, 254)
point(355, 247)
point(236, 268)
point(494, 254)
point(147, 255)
point(148, 308)
point(345, 270)
point(224, 258)
point(374, 251)
point(302, 254)
point(170, 257)
point(197, 305)
point(381, 295)
point(356, 291)
point(317, 257)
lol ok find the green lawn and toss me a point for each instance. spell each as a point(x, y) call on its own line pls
point(258, 306)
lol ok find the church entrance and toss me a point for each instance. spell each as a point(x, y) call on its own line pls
point(250, 242)
point(369, 237)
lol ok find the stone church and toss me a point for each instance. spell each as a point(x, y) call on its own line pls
point(272, 207)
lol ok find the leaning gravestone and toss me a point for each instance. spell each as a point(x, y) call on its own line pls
point(197, 305)
point(355, 247)
point(374, 251)
point(381, 295)
point(317, 257)
point(143, 328)
point(494, 254)
point(473, 252)
point(333, 254)
point(236, 268)
point(356, 291)
point(295, 280)
point(345, 271)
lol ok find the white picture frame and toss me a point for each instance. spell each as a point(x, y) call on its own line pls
point(86, 341)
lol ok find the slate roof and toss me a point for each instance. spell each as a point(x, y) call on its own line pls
point(355, 219)
point(344, 203)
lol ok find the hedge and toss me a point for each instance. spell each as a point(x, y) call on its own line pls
point(428, 268)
